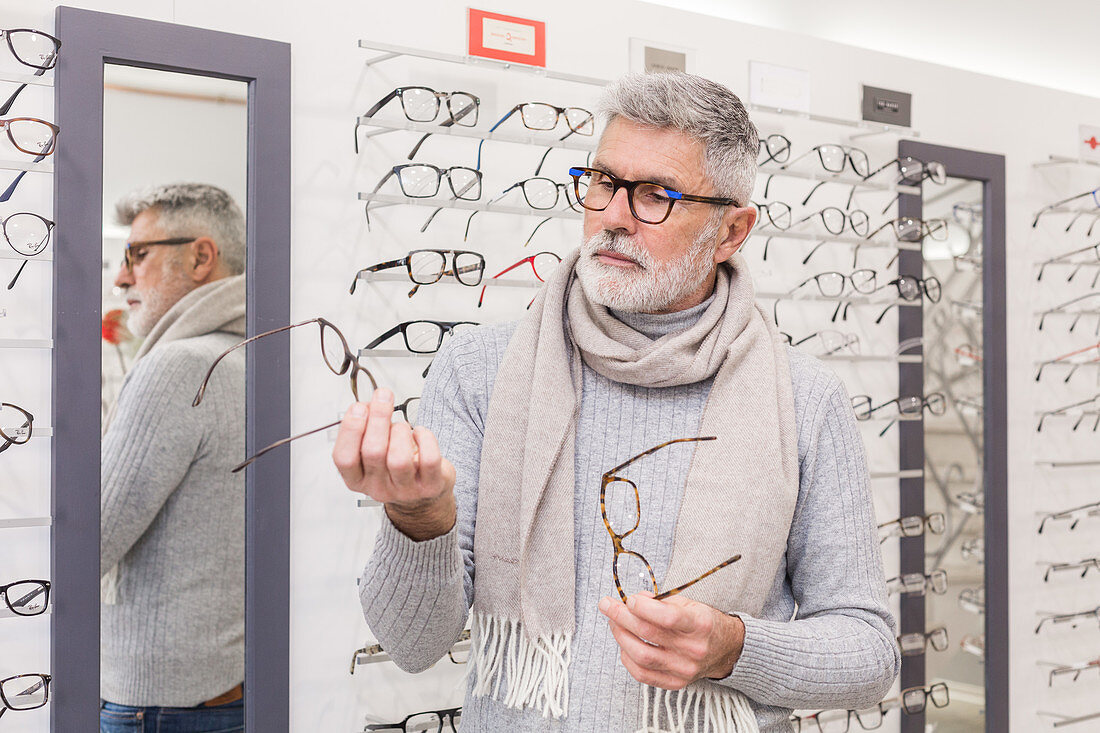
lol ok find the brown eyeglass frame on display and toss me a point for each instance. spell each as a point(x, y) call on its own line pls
point(350, 361)
point(617, 539)
point(5, 124)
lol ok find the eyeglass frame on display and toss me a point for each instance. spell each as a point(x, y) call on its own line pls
point(1085, 510)
point(927, 580)
point(445, 327)
point(39, 69)
point(529, 258)
point(1069, 411)
point(43, 679)
point(42, 246)
point(1061, 360)
point(847, 219)
point(1059, 618)
point(373, 649)
point(5, 124)
point(617, 539)
point(1055, 567)
point(631, 187)
point(350, 362)
point(407, 262)
point(1095, 193)
point(44, 587)
point(1059, 310)
point(928, 638)
point(446, 714)
point(1077, 669)
point(925, 523)
point(28, 426)
point(764, 143)
point(399, 93)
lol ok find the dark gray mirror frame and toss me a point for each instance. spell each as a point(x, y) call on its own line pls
point(989, 169)
point(91, 39)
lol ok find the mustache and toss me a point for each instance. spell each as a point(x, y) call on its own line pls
point(619, 243)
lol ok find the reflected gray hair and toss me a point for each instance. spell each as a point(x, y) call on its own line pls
point(192, 210)
point(703, 110)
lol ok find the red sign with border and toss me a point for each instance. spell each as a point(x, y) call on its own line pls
point(507, 38)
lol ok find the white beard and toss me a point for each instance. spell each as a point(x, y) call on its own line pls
point(154, 303)
point(654, 286)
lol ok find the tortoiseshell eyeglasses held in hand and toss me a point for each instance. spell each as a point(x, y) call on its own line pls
point(627, 565)
point(338, 358)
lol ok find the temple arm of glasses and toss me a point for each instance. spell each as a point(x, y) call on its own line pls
point(712, 571)
point(393, 331)
point(210, 371)
point(789, 163)
point(376, 268)
point(283, 442)
point(7, 105)
point(656, 448)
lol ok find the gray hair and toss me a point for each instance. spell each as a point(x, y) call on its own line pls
point(703, 110)
point(192, 210)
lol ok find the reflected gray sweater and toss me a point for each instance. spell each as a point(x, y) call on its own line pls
point(825, 638)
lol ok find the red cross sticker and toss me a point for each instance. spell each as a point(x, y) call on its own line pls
point(1092, 142)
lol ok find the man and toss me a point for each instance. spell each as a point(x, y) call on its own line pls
point(511, 504)
point(172, 522)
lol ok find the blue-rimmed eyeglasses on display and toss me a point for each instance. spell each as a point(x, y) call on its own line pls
point(27, 234)
point(423, 104)
point(26, 597)
point(650, 203)
point(542, 116)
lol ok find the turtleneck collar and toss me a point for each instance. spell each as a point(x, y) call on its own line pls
point(656, 325)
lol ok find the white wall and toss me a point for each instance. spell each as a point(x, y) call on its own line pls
point(331, 538)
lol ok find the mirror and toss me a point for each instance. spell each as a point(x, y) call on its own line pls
point(954, 452)
point(172, 528)
point(145, 103)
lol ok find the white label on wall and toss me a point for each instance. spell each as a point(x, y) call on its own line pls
point(500, 35)
point(1089, 145)
point(779, 86)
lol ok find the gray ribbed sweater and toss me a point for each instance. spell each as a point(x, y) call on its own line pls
point(837, 652)
point(173, 518)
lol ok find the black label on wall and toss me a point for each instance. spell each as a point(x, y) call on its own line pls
point(887, 105)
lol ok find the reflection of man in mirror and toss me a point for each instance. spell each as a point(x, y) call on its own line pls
point(172, 523)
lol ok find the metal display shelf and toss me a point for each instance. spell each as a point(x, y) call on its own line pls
point(26, 343)
point(9, 254)
point(870, 128)
point(491, 282)
point(881, 358)
point(545, 139)
point(772, 233)
point(386, 199)
point(31, 167)
point(775, 170)
point(391, 50)
point(1064, 160)
point(26, 522)
point(854, 300)
point(40, 81)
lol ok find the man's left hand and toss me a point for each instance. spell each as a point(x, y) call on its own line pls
point(673, 642)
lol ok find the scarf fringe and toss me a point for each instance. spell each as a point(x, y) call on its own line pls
point(723, 710)
point(537, 671)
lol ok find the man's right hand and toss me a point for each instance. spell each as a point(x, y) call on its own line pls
point(398, 466)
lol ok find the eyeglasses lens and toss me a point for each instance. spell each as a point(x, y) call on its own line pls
point(831, 284)
point(426, 267)
point(832, 158)
point(911, 526)
point(538, 116)
point(469, 268)
point(911, 644)
point(861, 404)
point(860, 222)
point(938, 639)
point(420, 105)
point(463, 109)
point(465, 183)
point(31, 136)
point(937, 580)
point(936, 404)
point(423, 337)
point(412, 409)
point(418, 181)
point(779, 148)
point(779, 214)
point(28, 598)
point(621, 505)
point(833, 721)
point(863, 281)
point(545, 263)
point(33, 48)
point(15, 424)
point(633, 573)
point(937, 229)
point(580, 120)
point(833, 218)
point(541, 193)
point(24, 692)
point(26, 233)
point(429, 722)
point(936, 523)
point(870, 718)
point(860, 163)
point(334, 350)
point(910, 405)
point(939, 695)
point(913, 701)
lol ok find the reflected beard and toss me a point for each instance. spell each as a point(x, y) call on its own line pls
point(155, 302)
point(651, 286)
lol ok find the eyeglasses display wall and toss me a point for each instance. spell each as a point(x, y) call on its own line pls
point(28, 139)
point(1062, 586)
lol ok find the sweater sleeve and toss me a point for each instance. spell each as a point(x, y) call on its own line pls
point(153, 437)
point(416, 595)
point(839, 650)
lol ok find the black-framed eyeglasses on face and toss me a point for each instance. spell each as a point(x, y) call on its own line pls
point(32, 48)
point(423, 104)
point(773, 148)
point(16, 425)
point(917, 642)
point(24, 692)
point(134, 252)
point(428, 266)
point(543, 116)
point(631, 572)
point(650, 203)
point(31, 135)
point(338, 358)
point(913, 525)
point(26, 597)
point(429, 721)
point(421, 336)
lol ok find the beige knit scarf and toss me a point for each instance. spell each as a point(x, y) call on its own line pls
point(739, 497)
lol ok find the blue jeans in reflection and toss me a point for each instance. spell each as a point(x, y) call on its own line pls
point(228, 718)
